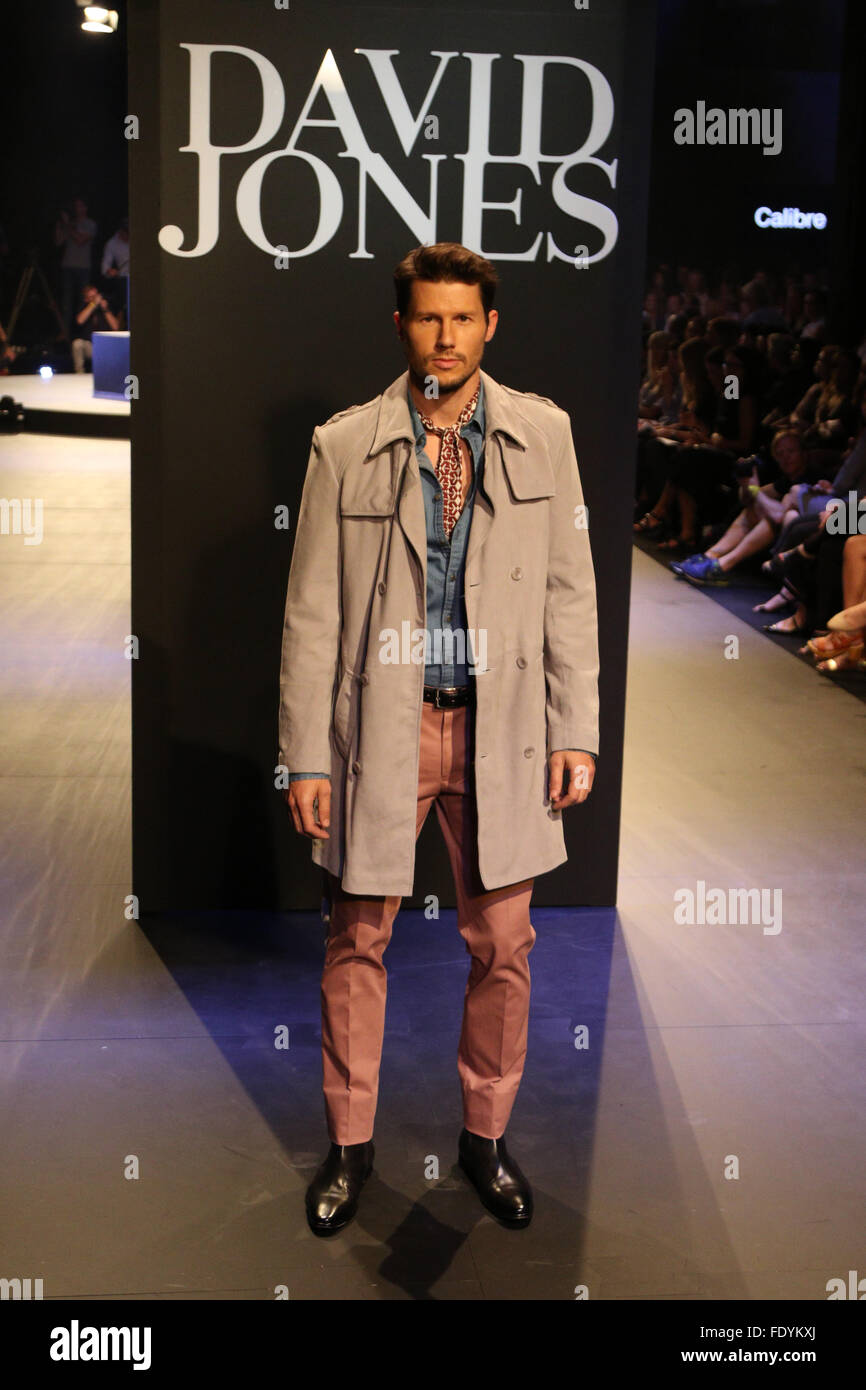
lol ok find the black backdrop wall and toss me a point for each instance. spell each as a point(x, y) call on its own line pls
point(238, 360)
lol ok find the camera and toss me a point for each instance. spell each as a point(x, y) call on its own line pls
point(743, 468)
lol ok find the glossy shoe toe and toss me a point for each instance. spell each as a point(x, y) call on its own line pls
point(332, 1197)
point(501, 1186)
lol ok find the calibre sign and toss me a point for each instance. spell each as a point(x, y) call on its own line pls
point(329, 84)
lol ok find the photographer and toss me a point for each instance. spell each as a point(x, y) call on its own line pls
point(95, 317)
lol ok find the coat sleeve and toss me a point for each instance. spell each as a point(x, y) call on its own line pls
point(570, 616)
point(312, 621)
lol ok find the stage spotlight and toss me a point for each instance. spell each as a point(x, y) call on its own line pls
point(96, 19)
point(46, 373)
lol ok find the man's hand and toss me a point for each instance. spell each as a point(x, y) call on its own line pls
point(300, 796)
point(581, 773)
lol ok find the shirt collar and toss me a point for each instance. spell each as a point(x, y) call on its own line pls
point(477, 421)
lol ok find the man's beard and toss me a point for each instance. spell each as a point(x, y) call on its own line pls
point(446, 388)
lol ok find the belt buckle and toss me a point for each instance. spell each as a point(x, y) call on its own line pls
point(452, 690)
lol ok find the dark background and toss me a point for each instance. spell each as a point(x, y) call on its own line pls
point(731, 54)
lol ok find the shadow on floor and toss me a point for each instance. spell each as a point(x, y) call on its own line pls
point(417, 1237)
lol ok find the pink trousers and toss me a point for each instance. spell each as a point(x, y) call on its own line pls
point(498, 934)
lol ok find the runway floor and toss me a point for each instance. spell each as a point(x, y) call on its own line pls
point(709, 1141)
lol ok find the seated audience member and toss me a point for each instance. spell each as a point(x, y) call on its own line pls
point(835, 416)
point(659, 441)
point(792, 305)
point(722, 302)
point(804, 521)
point(810, 497)
point(659, 397)
point(759, 315)
point(785, 387)
point(810, 323)
point(803, 414)
point(653, 312)
point(703, 472)
point(675, 327)
point(695, 290)
point(757, 523)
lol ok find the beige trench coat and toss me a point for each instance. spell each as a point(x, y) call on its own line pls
point(359, 569)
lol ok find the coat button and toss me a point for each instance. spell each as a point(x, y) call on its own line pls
point(356, 766)
point(528, 752)
point(517, 572)
point(381, 586)
point(521, 662)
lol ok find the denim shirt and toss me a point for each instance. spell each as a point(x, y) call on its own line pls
point(446, 560)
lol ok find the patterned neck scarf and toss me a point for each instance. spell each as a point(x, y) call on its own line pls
point(449, 469)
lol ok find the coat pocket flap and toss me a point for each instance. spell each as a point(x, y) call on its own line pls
point(529, 477)
point(369, 489)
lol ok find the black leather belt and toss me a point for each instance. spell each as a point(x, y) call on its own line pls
point(449, 696)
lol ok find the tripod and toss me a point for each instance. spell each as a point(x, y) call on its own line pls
point(23, 292)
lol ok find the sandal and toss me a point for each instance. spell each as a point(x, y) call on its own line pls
point(819, 632)
point(645, 525)
point(787, 594)
point(851, 660)
point(835, 643)
point(785, 627)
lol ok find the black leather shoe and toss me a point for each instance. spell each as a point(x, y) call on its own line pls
point(503, 1189)
point(332, 1197)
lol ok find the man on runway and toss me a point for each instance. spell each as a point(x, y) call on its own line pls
point(439, 649)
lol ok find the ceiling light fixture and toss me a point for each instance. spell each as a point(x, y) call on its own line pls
point(96, 19)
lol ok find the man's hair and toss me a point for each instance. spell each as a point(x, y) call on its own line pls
point(447, 260)
point(786, 433)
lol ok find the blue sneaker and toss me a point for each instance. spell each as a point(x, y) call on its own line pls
point(677, 565)
point(704, 569)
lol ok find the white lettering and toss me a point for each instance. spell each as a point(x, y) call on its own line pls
point(328, 199)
